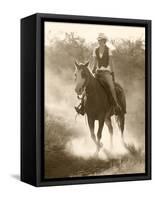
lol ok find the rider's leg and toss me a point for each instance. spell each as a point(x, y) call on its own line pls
point(108, 79)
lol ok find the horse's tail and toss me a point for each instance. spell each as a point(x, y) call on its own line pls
point(120, 119)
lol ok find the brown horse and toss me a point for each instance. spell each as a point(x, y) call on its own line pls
point(98, 105)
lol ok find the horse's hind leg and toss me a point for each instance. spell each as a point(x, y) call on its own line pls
point(109, 124)
point(121, 122)
point(99, 133)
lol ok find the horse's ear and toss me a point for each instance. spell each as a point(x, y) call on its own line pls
point(86, 64)
point(76, 64)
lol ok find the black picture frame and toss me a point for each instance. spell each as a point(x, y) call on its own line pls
point(32, 99)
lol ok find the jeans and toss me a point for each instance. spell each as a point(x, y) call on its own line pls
point(106, 76)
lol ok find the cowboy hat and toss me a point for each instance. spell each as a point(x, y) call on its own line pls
point(102, 36)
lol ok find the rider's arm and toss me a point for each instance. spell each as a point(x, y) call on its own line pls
point(111, 64)
point(94, 65)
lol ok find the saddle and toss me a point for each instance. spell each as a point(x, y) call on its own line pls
point(119, 93)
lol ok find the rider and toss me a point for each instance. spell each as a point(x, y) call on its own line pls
point(103, 70)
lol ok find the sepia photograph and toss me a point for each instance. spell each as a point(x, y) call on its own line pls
point(94, 100)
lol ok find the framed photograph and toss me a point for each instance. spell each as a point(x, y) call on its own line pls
point(85, 99)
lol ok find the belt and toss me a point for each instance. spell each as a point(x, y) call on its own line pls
point(102, 68)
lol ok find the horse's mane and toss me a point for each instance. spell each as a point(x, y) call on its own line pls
point(93, 82)
point(95, 85)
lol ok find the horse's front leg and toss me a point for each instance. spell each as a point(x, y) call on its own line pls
point(91, 123)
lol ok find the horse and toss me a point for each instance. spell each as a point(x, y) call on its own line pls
point(97, 104)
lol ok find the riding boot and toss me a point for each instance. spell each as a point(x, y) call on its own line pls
point(80, 109)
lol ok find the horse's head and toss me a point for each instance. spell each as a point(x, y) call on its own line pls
point(81, 77)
